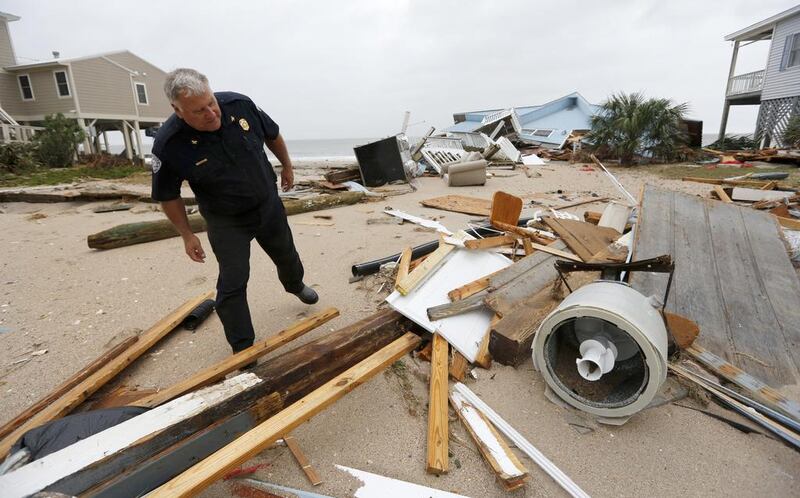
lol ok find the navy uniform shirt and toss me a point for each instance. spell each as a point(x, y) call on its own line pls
point(227, 169)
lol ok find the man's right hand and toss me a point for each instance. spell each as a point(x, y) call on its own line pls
point(194, 249)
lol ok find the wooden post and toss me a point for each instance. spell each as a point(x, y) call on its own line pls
point(726, 104)
point(127, 139)
point(87, 141)
point(105, 142)
point(138, 137)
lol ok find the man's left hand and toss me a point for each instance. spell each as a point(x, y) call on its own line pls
point(287, 178)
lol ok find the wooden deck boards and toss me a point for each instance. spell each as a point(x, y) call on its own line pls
point(732, 276)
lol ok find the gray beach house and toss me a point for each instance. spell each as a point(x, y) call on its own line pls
point(114, 91)
point(776, 88)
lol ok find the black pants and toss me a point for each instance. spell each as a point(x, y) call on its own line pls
point(230, 238)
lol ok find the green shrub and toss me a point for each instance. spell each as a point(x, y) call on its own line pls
point(791, 137)
point(16, 157)
point(56, 143)
point(630, 126)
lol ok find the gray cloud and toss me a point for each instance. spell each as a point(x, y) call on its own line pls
point(350, 69)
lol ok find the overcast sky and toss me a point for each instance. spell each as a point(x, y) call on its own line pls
point(349, 69)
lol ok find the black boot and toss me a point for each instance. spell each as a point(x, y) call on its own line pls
point(307, 295)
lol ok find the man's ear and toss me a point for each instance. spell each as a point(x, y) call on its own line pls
point(177, 111)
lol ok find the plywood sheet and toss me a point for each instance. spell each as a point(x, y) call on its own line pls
point(732, 276)
point(460, 204)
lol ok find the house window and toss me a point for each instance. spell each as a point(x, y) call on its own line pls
point(793, 50)
point(62, 85)
point(25, 86)
point(539, 133)
point(141, 94)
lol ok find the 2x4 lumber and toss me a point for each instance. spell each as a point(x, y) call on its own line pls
point(403, 266)
point(91, 384)
point(471, 288)
point(723, 196)
point(504, 463)
point(437, 459)
point(253, 442)
point(68, 384)
point(220, 370)
point(525, 232)
point(420, 273)
point(484, 357)
point(302, 461)
point(489, 242)
point(148, 231)
point(446, 310)
point(458, 366)
point(556, 252)
point(526, 244)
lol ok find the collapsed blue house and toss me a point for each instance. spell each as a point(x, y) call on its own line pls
point(548, 125)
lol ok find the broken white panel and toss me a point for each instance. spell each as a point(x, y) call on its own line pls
point(755, 195)
point(49, 469)
point(464, 331)
point(520, 442)
point(357, 187)
point(532, 160)
point(438, 151)
point(435, 225)
point(508, 149)
point(615, 216)
point(480, 427)
point(378, 486)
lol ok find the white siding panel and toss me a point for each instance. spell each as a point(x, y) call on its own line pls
point(103, 88)
point(10, 99)
point(6, 51)
point(153, 78)
point(777, 83)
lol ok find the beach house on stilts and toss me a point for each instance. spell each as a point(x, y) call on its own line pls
point(114, 91)
point(775, 89)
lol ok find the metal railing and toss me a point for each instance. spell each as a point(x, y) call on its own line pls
point(17, 133)
point(746, 83)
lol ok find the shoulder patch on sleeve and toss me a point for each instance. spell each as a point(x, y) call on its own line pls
point(156, 164)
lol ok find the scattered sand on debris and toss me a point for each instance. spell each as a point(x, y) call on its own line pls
point(57, 294)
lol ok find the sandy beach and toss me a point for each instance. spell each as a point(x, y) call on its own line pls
point(57, 295)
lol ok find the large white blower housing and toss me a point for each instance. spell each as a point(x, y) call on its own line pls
point(603, 350)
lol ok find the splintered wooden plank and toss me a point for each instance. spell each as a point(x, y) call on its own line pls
point(403, 266)
point(505, 464)
point(489, 242)
point(91, 384)
point(484, 357)
point(423, 271)
point(437, 460)
point(732, 276)
point(302, 461)
point(549, 249)
point(506, 298)
point(460, 204)
point(203, 474)
point(471, 288)
point(584, 239)
point(240, 359)
point(458, 366)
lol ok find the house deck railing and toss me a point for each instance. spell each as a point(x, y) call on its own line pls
point(746, 83)
point(17, 133)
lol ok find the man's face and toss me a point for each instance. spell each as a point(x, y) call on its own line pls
point(201, 112)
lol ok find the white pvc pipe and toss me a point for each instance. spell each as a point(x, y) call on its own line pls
point(537, 456)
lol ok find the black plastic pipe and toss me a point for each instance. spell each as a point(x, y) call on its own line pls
point(363, 269)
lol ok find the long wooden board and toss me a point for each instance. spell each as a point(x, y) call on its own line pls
point(584, 239)
point(732, 277)
point(214, 467)
point(437, 459)
point(420, 273)
point(220, 370)
point(460, 204)
point(80, 392)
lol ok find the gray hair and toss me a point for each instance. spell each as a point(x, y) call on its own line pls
point(185, 81)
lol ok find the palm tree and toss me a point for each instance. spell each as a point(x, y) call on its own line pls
point(630, 126)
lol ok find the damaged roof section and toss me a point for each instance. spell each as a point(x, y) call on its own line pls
point(547, 125)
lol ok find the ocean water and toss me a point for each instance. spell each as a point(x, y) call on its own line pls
point(341, 148)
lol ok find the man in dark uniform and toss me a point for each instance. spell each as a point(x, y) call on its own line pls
point(215, 141)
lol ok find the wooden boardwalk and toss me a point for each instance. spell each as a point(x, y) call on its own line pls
point(732, 276)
